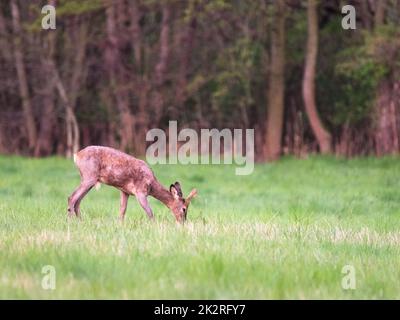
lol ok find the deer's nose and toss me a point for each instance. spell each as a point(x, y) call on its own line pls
point(181, 219)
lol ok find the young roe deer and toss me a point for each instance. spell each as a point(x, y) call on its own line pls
point(130, 175)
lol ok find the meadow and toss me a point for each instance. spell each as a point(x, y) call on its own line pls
point(284, 232)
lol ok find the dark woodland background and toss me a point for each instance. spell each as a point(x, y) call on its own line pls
point(114, 69)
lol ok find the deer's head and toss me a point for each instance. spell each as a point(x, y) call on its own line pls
point(180, 205)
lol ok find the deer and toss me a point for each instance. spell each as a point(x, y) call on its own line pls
point(104, 165)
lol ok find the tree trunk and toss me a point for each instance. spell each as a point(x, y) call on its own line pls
point(387, 102)
point(276, 88)
point(78, 68)
point(135, 15)
point(71, 124)
point(115, 70)
point(78, 36)
point(47, 120)
point(322, 135)
point(365, 16)
point(141, 82)
point(5, 58)
point(22, 79)
point(5, 48)
point(3, 148)
point(185, 42)
point(379, 17)
point(106, 97)
point(386, 106)
point(161, 67)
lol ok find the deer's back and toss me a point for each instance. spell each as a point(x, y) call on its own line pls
point(113, 167)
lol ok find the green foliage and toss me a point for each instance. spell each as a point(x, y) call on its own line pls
point(357, 92)
point(233, 78)
point(284, 232)
point(77, 7)
point(361, 69)
point(296, 38)
point(217, 5)
point(361, 66)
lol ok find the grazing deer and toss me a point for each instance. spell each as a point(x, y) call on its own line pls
point(130, 175)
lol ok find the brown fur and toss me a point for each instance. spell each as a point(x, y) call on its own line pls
point(128, 174)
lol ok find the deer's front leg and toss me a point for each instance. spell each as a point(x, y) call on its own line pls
point(76, 197)
point(123, 205)
point(142, 199)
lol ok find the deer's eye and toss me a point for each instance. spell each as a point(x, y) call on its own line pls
point(184, 210)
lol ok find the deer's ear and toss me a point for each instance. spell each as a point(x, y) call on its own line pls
point(191, 195)
point(174, 191)
point(178, 188)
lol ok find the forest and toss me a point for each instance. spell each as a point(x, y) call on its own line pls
point(112, 70)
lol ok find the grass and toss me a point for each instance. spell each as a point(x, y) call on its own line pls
point(284, 232)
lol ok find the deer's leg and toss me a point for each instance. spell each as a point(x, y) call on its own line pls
point(123, 204)
point(76, 197)
point(78, 202)
point(142, 199)
point(71, 204)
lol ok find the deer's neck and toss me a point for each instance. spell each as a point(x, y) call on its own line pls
point(162, 194)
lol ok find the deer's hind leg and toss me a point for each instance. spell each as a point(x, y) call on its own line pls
point(76, 197)
point(123, 205)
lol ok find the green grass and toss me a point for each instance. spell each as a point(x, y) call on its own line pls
point(284, 232)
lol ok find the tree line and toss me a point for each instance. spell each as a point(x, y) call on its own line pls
point(112, 70)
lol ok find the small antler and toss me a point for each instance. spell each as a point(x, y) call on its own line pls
point(191, 195)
